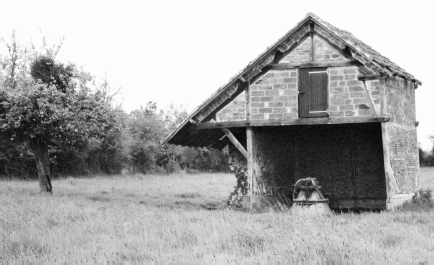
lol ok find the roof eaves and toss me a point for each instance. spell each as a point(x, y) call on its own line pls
point(238, 76)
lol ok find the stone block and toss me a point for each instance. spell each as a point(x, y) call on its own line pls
point(334, 84)
point(334, 72)
point(349, 113)
point(293, 74)
point(268, 75)
point(341, 83)
point(348, 101)
point(355, 88)
point(350, 77)
point(350, 71)
point(257, 105)
point(336, 77)
point(340, 96)
point(333, 107)
point(290, 116)
point(292, 86)
point(275, 104)
point(360, 101)
point(353, 83)
point(265, 110)
point(262, 99)
point(336, 113)
point(279, 110)
point(264, 87)
point(255, 99)
point(280, 86)
point(257, 93)
point(272, 93)
point(280, 98)
point(289, 80)
point(275, 116)
point(357, 94)
point(337, 89)
point(257, 116)
point(364, 112)
point(346, 107)
point(290, 103)
point(282, 74)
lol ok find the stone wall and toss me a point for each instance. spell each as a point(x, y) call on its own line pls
point(300, 54)
point(325, 52)
point(402, 135)
point(275, 96)
point(400, 101)
point(404, 157)
point(347, 95)
point(234, 111)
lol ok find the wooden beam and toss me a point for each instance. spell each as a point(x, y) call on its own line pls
point(312, 47)
point(283, 66)
point(306, 121)
point(249, 136)
point(235, 141)
point(372, 77)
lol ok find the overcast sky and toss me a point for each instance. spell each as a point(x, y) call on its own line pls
point(182, 51)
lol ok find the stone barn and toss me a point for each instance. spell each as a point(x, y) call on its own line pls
point(317, 103)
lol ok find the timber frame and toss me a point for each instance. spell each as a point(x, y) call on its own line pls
point(202, 128)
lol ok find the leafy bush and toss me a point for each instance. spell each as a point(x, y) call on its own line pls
point(421, 201)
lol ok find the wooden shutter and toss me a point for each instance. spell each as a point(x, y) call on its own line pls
point(313, 95)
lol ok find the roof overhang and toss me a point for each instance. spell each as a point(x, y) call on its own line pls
point(370, 60)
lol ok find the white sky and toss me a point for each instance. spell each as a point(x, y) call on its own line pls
point(182, 51)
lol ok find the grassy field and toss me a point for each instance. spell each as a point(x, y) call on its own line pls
point(168, 219)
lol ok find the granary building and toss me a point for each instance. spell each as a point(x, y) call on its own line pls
point(317, 103)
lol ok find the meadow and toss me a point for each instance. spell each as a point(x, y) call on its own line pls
point(183, 218)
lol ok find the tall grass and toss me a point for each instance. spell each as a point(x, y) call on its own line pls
point(174, 219)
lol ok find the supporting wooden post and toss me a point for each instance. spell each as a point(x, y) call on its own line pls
point(234, 140)
point(249, 137)
point(388, 171)
point(312, 45)
point(249, 134)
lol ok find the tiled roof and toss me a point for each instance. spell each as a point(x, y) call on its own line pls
point(365, 50)
point(361, 51)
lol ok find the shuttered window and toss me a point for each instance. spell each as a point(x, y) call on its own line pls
point(313, 95)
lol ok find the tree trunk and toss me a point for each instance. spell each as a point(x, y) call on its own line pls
point(43, 166)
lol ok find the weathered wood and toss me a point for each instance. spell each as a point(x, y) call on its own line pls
point(372, 77)
point(248, 105)
point(307, 121)
point(249, 137)
point(390, 179)
point(370, 102)
point(383, 98)
point(283, 66)
point(235, 141)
